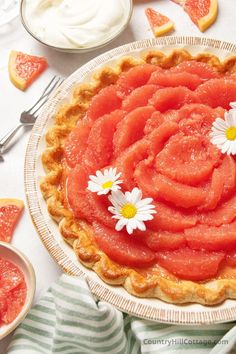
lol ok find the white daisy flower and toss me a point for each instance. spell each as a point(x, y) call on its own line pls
point(131, 210)
point(223, 132)
point(104, 182)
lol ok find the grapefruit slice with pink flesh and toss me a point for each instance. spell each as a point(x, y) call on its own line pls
point(77, 184)
point(202, 70)
point(123, 248)
point(217, 92)
point(136, 77)
point(169, 218)
point(106, 101)
point(100, 141)
point(131, 128)
point(187, 159)
point(162, 188)
point(128, 160)
point(24, 68)
point(224, 213)
point(159, 23)
point(164, 240)
point(139, 97)
point(172, 79)
point(10, 212)
point(212, 238)
point(76, 144)
point(202, 12)
point(172, 98)
point(190, 264)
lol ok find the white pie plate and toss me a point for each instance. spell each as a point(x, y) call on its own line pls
point(152, 309)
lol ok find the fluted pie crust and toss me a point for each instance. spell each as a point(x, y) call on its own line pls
point(152, 282)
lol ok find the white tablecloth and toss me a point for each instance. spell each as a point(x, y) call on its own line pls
point(13, 101)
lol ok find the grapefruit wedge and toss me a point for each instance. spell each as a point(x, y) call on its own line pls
point(24, 68)
point(10, 212)
point(160, 24)
point(202, 12)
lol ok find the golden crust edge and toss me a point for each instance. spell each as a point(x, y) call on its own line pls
point(75, 232)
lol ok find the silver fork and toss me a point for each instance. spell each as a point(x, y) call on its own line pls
point(29, 117)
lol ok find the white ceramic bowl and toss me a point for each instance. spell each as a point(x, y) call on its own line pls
point(13, 255)
point(26, 24)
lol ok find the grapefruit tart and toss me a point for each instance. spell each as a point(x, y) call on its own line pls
point(141, 175)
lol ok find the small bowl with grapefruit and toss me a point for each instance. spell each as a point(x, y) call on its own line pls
point(17, 288)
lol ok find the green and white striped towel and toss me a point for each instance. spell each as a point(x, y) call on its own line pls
point(68, 320)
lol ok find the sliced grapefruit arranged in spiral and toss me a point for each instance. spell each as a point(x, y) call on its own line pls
point(202, 12)
point(153, 125)
point(10, 212)
point(159, 23)
point(24, 68)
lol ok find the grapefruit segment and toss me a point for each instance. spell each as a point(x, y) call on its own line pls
point(164, 240)
point(77, 184)
point(159, 23)
point(228, 172)
point(161, 187)
point(172, 98)
point(10, 212)
point(139, 97)
point(170, 218)
point(131, 128)
point(24, 68)
point(76, 144)
point(170, 79)
point(100, 141)
point(224, 213)
point(128, 160)
point(190, 264)
point(215, 191)
point(159, 136)
point(212, 238)
point(195, 119)
point(187, 159)
point(136, 77)
point(107, 100)
point(123, 248)
point(202, 70)
point(217, 92)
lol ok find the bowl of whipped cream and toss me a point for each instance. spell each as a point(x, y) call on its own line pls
point(75, 25)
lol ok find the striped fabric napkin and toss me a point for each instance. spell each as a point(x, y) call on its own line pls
point(68, 320)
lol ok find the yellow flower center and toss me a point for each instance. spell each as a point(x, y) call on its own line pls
point(231, 133)
point(128, 211)
point(107, 184)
